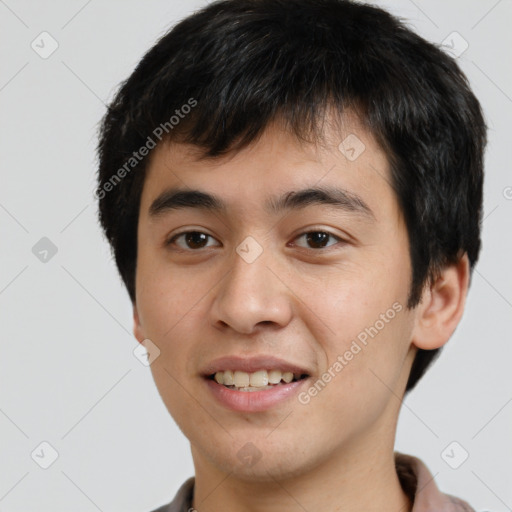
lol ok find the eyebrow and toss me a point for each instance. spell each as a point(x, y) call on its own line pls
point(181, 198)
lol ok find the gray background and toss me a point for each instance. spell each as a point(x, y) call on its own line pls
point(67, 369)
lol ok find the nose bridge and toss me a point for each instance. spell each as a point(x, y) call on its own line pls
point(250, 293)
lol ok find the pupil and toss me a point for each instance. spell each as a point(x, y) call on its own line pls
point(317, 238)
point(195, 238)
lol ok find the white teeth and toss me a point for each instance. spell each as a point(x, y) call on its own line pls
point(258, 379)
point(287, 377)
point(241, 379)
point(274, 377)
point(228, 378)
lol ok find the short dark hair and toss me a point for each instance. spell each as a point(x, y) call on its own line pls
point(246, 63)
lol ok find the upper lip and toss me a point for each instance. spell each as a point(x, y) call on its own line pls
point(251, 364)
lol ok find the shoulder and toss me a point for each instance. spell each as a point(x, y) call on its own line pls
point(419, 484)
point(182, 501)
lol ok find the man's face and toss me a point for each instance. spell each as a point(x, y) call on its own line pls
point(252, 282)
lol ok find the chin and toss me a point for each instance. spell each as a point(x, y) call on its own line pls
point(264, 464)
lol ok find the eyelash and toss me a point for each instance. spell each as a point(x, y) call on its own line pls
point(331, 235)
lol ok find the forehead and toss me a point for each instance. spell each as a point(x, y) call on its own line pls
point(348, 158)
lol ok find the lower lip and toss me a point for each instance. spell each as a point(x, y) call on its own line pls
point(254, 401)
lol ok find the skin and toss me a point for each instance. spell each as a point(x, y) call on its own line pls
point(299, 301)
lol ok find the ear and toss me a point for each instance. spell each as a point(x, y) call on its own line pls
point(137, 327)
point(441, 306)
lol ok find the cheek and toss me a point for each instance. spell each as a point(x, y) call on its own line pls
point(166, 296)
point(169, 308)
point(368, 336)
point(355, 300)
point(363, 376)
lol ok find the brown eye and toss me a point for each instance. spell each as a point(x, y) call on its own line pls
point(192, 240)
point(318, 239)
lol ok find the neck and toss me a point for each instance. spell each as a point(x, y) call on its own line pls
point(360, 480)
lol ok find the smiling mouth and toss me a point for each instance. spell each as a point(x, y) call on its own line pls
point(255, 381)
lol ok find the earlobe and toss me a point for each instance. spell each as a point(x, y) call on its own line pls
point(442, 306)
point(137, 327)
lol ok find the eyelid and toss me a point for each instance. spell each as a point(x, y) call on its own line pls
point(171, 238)
point(340, 239)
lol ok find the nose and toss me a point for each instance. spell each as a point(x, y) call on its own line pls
point(251, 295)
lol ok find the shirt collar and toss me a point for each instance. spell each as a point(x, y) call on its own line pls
point(415, 479)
